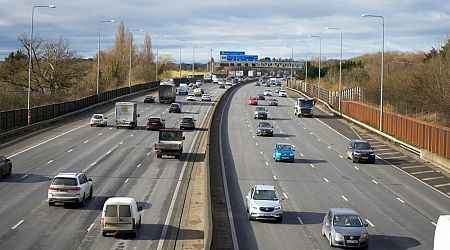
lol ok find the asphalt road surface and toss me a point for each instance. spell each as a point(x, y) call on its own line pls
point(400, 210)
point(121, 162)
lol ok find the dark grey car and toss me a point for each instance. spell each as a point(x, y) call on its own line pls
point(360, 150)
point(264, 128)
point(5, 167)
point(344, 227)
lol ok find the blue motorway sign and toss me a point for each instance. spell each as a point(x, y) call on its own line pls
point(226, 53)
point(242, 58)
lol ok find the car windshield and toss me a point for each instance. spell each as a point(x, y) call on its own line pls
point(175, 105)
point(362, 145)
point(269, 195)
point(154, 119)
point(252, 98)
point(97, 116)
point(187, 119)
point(265, 125)
point(347, 221)
point(284, 147)
point(260, 109)
point(307, 103)
point(65, 181)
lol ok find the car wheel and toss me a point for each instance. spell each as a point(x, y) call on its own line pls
point(51, 203)
point(10, 171)
point(1, 176)
point(354, 160)
point(91, 193)
point(83, 201)
point(323, 232)
point(330, 241)
point(92, 125)
point(158, 156)
point(293, 160)
point(104, 234)
point(372, 161)
point(250, 218)
point(280, 220)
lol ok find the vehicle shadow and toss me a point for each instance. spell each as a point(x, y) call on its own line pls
point(294, 218)
point(279, 119)
point(193, 157)
point(153, 232)
point(96, 204)
point(26, 178)
point(392, 242)
point(283, 135)
point(308, 161)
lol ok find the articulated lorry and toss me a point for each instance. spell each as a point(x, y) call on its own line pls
point(167, 92)
point(442, 233)
point(170, 143)
point(126, 114)
point(304, 107)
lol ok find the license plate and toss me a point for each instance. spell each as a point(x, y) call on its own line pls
point(154, 123)
point(110, 225)
point(63, 190)
point(352, 241)
point(285, 157)
point(365, 157)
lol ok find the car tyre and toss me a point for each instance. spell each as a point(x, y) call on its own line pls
point(372, 161)
point(9, 172)
point(280, 219)
point(91, 193)
point(354, 160)
point(158, 156)
point(104, 234)
point(330, 241)
point(51, 203)
point(1, 176)
point(83, 201)
point(250, 218)
point(92, 125)
point(323, 232)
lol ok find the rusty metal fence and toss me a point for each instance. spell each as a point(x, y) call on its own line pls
point(424, 135)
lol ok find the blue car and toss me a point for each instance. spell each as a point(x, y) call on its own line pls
point(283, 152)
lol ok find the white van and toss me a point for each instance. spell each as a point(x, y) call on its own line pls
point(183, 89)
point(121, 215)
point(441, 235)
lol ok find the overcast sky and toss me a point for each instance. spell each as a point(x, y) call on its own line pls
point(261, 27)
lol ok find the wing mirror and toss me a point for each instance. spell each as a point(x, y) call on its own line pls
point(138, 115)
point(184, 138)
point(89, 179)
point(327, 224)
point(106, 118)
point(139, 208)
point(366, 225)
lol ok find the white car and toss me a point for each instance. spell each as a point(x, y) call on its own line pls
point(263, 202)
point(198, 83)
point(121, 215)
point(268, 92)
point(99, 120)
point(282, 93)
point(190, 97)
point(229, 83)
point(70, 188)
point(206, 97)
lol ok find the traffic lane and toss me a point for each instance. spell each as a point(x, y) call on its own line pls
point(249, 170)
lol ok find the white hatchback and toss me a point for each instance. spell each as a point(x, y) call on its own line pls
point(282, 93)
point(268, 92)
point(190, 97)
point(99, 120)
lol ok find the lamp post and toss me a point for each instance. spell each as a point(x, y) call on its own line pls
point(157, 56)
point(131, 46)
point(382, 68)
point(98, 56)
point(306, 62)
point(30, 55)
point(320, 57)
point(212, 64)
point(340, 68)
point(181, 40)
point(193, 58)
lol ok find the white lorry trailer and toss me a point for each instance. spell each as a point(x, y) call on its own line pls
point(126, 114)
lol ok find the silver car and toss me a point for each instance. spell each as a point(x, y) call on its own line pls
point(344, 227)
point(263, 202)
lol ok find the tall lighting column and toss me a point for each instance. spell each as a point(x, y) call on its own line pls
point(340, 68)
point(157, 56)
point(131, 46)
point(30, 56)
point(382, 68)
point(320, 58)
point(98, 55)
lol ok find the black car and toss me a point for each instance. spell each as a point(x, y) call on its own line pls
point(175, 108)
point(257, 84)
point(149, 99)
point(260, 97)
point(5, 167)
point(156, 123)
point(273, 102)
point(187, 122)
point(264, 128)
point(360, 150)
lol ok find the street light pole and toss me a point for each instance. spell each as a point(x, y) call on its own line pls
point(212, 64)
point(320, 57)
point(98, 56)
point(157, 56)
point(180, 57)
point(193, 59)
point(30, 56)
point(292, 61)
point(131, 46)
point(340, 68)
point(306, 63)
point(382, 68)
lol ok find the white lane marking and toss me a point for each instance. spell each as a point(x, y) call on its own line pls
point(139, 165)
point(92, 164)
point(423, 172)
point(109, 152)
point(121, 143)
point(300, 220)
point(442, 185)
point(400, 200)
point(39, 144)
point(340, 156)
point(261, 152)
point(433, 178)
point(18, 224)
point(50, 161)
point(417, 166)
point(310, 133)
point(318, 139)
point(356, 167)
point(374, 181)
point(131, 135)
point(312, 165)
point(256, 143)
point(328, 147)
point(147, 108)
point(90, 227)
point(326, 179)
point(304, 127)
point(434, 223)
point(148, 153)
point(253, 136)
point(99, 133)
point(267, 163)
point(110, 128)
point(301, 154)
point(23, 177)
point(370, 223)
point(285, 195)
point(126, 180)
point(274, 177)
point(287, 138)
point(86, 141)
point(345, 198)
point(70, 150)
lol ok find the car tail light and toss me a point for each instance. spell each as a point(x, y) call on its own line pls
point(52, 188)
point(102, 221)
point(76, 188)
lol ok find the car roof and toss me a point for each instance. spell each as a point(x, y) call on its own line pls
point(188, 116)
point(120, 200)
point(283, 144)
point(68, 175)
point(154, 116)
point(97, 114)
point(346, 211)
point(264, 187)
point(360, 141)
point(263, 123)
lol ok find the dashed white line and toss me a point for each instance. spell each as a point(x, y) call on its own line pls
point(433, 178)
point(400, 200)
point(287, 138)
point(274, 177)
point(328, 147)
point(356, 167)
point(301, 154)
point(23, 177)
point(18, 224)
point(49, 161)
point(149, 153)
point(267, 163)
point(256, 143)
point(121, 143)
point(253, 136)
point(131, 135)
point(261, 152)
point(139, 165)
point(90, 227)
point(318, 139)
point(86, 141)
point(326, 179)
point(126, 180)
point(312, 165)
point(434, 223)
point(99, 133)
point(285, 195)
point(300, 220)
point(110, 128)
point(310, 133)
point(374, 181)
point(70, 150)
point(340, 156)
point(345, 198)
point(370, 223)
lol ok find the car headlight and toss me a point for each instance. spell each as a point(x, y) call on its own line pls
point(364, 236)
point(372, 153)
point(338, 237)
point(278, 208)
point(277, 154)
point(291, 154)
point(270, 130)
point(357, 154)
point(254, 207)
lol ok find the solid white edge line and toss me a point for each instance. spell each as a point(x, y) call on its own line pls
point(434, 223)
point(177, 188)
point(274, 177)
point(139, 165)
point(126, 181)
point(261, 152)
point(356, 167)
point(370, 223)
point(300, 220)
point(18, 224)
point(90, 227)
point(326, 179)
point(374, 181)
point(343, 197)
point(267, 163)
point(70, 150)
point(400, 200)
